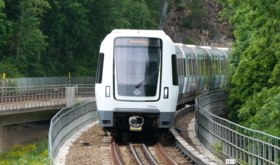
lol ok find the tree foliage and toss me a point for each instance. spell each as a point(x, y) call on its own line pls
point(52, 37)
point(255, 63)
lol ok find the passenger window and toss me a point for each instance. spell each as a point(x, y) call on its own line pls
point(184, 62)
point(183, 70)
point(216, 65)
point(194, 65)
point(208, 68)
point(179, 70)
point(200, 64)
point(174, 70)
point(213, 65)
point(203, 65)
point(180, 67)
point(188, 64)
point(191, 65)
point(219, 64)
point(223, 65)
point(99, 69)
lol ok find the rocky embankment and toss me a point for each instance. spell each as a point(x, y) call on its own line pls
point(213, 32)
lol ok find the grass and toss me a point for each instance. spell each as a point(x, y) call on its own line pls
point(32, 154)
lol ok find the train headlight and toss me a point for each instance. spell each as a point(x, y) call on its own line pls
point(165, 93)
point(107, 91)
point(132, 120)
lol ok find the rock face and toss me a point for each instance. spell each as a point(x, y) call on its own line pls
point(216, 33)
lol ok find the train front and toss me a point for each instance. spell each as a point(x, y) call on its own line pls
point(136, 97)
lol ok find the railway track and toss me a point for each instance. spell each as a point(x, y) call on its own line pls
point(142, 154)
point(156, 155)
point(115, 153)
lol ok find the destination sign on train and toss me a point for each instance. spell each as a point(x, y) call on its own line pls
point(137, 41)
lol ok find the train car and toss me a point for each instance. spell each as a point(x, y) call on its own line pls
point(143, 76)
point(218, 67)
point(136, 83)
point(204, 69)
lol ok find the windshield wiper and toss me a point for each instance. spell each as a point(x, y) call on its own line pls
point(151, 75)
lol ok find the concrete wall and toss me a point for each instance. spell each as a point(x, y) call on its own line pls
point(22, 134)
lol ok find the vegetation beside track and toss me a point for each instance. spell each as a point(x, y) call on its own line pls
point(35, 154)
point(254, 99)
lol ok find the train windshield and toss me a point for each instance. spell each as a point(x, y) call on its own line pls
point(137, 68)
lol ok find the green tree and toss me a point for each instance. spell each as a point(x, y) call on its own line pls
point(5, 25)
point(256, 60)
point(27, 42)
point(52, 37)
point(67, 27)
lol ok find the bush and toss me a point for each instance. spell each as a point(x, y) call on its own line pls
point(35, 154)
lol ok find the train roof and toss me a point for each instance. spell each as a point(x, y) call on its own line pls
point(158, 32)
point(203, 47)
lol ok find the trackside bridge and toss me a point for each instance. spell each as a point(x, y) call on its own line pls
point(37, 99)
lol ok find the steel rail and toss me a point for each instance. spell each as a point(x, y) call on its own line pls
point(117, 160)
point(149, 155)
point(160, 150)
point(135, 154)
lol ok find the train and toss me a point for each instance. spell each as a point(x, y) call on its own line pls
point(143, 76)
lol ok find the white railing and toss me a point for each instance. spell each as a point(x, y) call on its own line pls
point(68, 121)
point(245, 145)
point(41, 96)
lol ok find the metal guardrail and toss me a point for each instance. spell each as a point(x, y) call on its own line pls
point(68, 121)
point(40, 81)
point(38, 96)
point(185, 148)
point(245, 145)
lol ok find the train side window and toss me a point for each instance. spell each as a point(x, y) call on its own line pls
point(203, 65)
point(178, 66)
point(208, 66)
point(223, 65)
point(188, 64)
point(194, 68)
point(200, 65)
point(184, 62)
point(191, 65)
point(182, 67)
point(219, 64)
point(213, 64)
point(99, 69)
point(174, 70)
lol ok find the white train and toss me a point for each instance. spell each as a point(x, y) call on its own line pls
point(142, 76)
